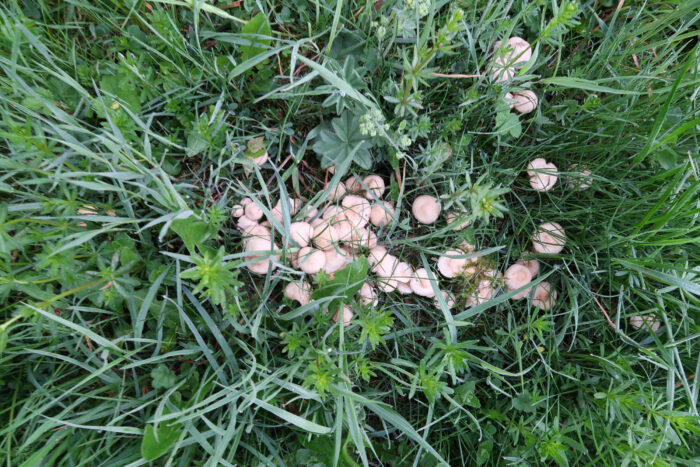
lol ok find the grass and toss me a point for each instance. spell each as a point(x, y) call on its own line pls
point(122, 135)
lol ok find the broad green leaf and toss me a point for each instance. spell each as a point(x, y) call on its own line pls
point(163, 377)
point(156, 442)
point(194, 234)
point(342, 140)
point(344, 285)
point(258, 25)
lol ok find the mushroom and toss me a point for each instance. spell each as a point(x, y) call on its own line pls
point(336, 259)
point(449, 300)
point(517, 52)
point(310, 213)
point(325, 236)
point(386, 266)
point(404, 288)
point(338, 192)
point(403, 272)
point(311, 260)
point(294, 206)
point(347, 315)
point(518, 275)
point(450, 267)
point(298, 292)
point(301, 233)
point(544, 296)
point(500, 73)
point(387, 284)
point(244, 224)
point(638, 322)
point(532, 264)
point(257, 231)
point(580, 180)
point(253, 212)
point(237, 210)
point(259, 244)
point(362, 238)
point(357, 210)
point(368, 295)
point(246, 201)
point(375, 186)
point(343, 229)
point(420, 283)
point(543, 174)
point(525, 101)
point(453, 217)
point(484, 292)
point(376, 254)
point(549, 238)
point(353, 185)
point(426, 209)
point(381, 213)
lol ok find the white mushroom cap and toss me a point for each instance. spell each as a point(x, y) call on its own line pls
point(298, 291)
point(376, 254)
point(334, 213)
point(518, 275)
point(347, 315)
point(638, 322)
point(532, 264)
point(343, 229)
point(338, 192)
point(500, 73)
point(237, 210)
point(310, 213)
point(256, 231)
point(336, 259)
point(525, 101)
point(376, 186)
point(353, 185)
point(317, 221)
point(449, 300)
point(362, 238)
point(545, 297)
point(301, 233)
point(311, 261)
point(450, 267)
point(549, 238)
point(325, 236)
point(382, 213)
point(259, 244)
point(387, 284)
point(452, 218)
point(420, 284)
point(581, 180)
point(426, 209)
point(386, 266)
point(404, 287)
point(518, 51)
point(543, 175)
point(357, 210)
point(246, 201)
point(403, 272)
point(484, 292)
point(253, 212)
point(368, 295)
point(244, 224)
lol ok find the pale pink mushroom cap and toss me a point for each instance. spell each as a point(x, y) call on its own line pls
point(353, 185)
point(549, 238)
point(386, 266)
point(311, 261)
point(450, 267)
point(403, 272)
point(545, 297)
point(426, 209)
point(382, 214)
point(244, 224)
point(260, 160)
point(518, 51)
point(453, 217)
point(518, 275)
point(525, 101)
point(376, 186)
point(237, 210)
point(336, 259)
point(484, 292)
point(301, 233)
point(532, 264)
point(543, 177)
point(310, 213)
point(253, 212)
point(347, 315)
point(338, 192)
point(580, 180)
point(449, 300)
point(256, 231)
point(376, 254)
point(638, 322)
point(404, 288)
point(325, 236)
point(368, 295)
point(246, 201)
point(536, 165)
point(357, 210)
point(420, 284)
point(259, 244)
point(298, 291)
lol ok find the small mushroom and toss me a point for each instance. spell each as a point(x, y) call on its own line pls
point(420, 284)
point(517, 276)
point(298, 292)
point(453, 217)
point(403, 272)
point(426, 209)
point(525, 101)
point(500, 73)
point(404, 288)
point(382, 214)
point(517, 52)
point(257, 231)
point(368, 295)
point(362, 238)
point(449, 266)
point(259, 244)
point(543, 174)
point(375, 186)
point(338, 192)
point(301, 233)
point(310, 213)
point(347, 315)
point(357, 210)
point(246, 201)
point(532, 264)
point(325, 236)
point(336, 259)
point(638, 322)
point(449, 300)
point(237, 211)
point(244, 224)
point(253, 212)
point(376, 254)
point(580, 180)
point(484, 292)
point(549, 238)
point(311, 260)
point(544, 296)
point(353, 185)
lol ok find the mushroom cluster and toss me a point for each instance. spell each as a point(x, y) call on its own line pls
point(510, 56)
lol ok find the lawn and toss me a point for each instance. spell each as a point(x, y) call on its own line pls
point(404, 232)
